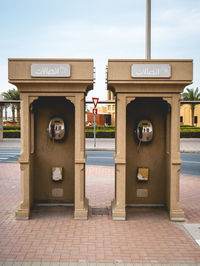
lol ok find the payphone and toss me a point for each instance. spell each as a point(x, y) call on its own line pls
point(144, 131)
point(57, 128)
point(144, 134)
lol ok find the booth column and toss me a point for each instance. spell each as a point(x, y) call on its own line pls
point(24, 210)
point(81, 203)
point(176, 213)
point(1, 122)
point(119, 203)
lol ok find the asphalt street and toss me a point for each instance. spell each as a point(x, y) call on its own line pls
point(190, 165)
point(9, 155)
point(102, 158)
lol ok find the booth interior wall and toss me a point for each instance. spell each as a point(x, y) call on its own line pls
point(51, 153)
point(150, 155)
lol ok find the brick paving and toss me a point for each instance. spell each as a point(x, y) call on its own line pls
point(190, 197)
point(100, 185)
point(53, 236)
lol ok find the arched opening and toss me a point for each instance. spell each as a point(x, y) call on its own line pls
point(51, 154)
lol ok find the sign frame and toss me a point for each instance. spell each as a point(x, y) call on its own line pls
point(52, 70)
point(151, 71)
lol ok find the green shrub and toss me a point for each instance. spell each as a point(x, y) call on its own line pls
point(190, 134)
point(11, 134)
point(190, 130)
point(100, 128)
point(10, 127)
point(106, 134)
point(186, 126)
point(100, 134)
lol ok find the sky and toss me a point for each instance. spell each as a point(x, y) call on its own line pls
point(102, 30)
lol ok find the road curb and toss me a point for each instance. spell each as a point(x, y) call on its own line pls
point(100, 149)
point(191, 151)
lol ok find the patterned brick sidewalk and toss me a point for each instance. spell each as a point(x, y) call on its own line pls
point(53, 236)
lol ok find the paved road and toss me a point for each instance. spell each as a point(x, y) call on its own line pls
point(9, 155)
point(191, 161)
point(190, 165)
point(103, 158)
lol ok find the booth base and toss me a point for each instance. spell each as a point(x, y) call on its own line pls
point(118, 214)
point(22, 214)
point(82, 214)
point(177, 216)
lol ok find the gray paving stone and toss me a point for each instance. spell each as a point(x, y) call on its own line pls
point(8, 263)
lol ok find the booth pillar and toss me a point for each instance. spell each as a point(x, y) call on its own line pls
point(1, 122)
point(147, 171)
point(81, 203)
point(47, 99)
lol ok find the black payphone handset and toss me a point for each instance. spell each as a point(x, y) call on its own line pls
point(144, 132)
point(57, 128)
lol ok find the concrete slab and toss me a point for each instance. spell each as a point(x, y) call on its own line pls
point(194, 231)
point(191, 145)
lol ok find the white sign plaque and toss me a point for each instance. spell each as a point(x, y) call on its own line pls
point(151, 71)
point(51, 70)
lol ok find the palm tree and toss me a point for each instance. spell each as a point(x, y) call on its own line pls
point(13, 94)
point(191, 95)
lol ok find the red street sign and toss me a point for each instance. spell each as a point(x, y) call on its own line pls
point(94, 111)
point(95, 101)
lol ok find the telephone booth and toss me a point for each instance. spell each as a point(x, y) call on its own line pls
point(147, 153)
point(52, 160)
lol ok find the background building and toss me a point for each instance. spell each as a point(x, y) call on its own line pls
point(186, 113)
point(111, 106)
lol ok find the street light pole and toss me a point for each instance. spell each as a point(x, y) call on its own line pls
point(148, 29)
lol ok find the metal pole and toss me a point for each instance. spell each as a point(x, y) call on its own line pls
point(94, 130)
point(148, 29)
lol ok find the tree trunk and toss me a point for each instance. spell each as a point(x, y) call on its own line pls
point(6, 113)
point(13, 113)
point(18, 113)
point(192, 107)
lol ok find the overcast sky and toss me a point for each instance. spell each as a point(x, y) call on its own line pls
point(97, 29)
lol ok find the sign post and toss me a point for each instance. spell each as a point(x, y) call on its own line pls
point(95, 101)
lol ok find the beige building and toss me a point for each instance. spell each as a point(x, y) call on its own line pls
point(111, 106)
point(186, 113)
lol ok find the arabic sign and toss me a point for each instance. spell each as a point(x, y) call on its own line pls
point(50, 70)
point(151, 71)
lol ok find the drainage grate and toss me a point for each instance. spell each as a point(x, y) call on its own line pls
point(100, 211)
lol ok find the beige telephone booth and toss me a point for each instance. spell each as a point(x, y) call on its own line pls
point(52, 160)
point(147, 155)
